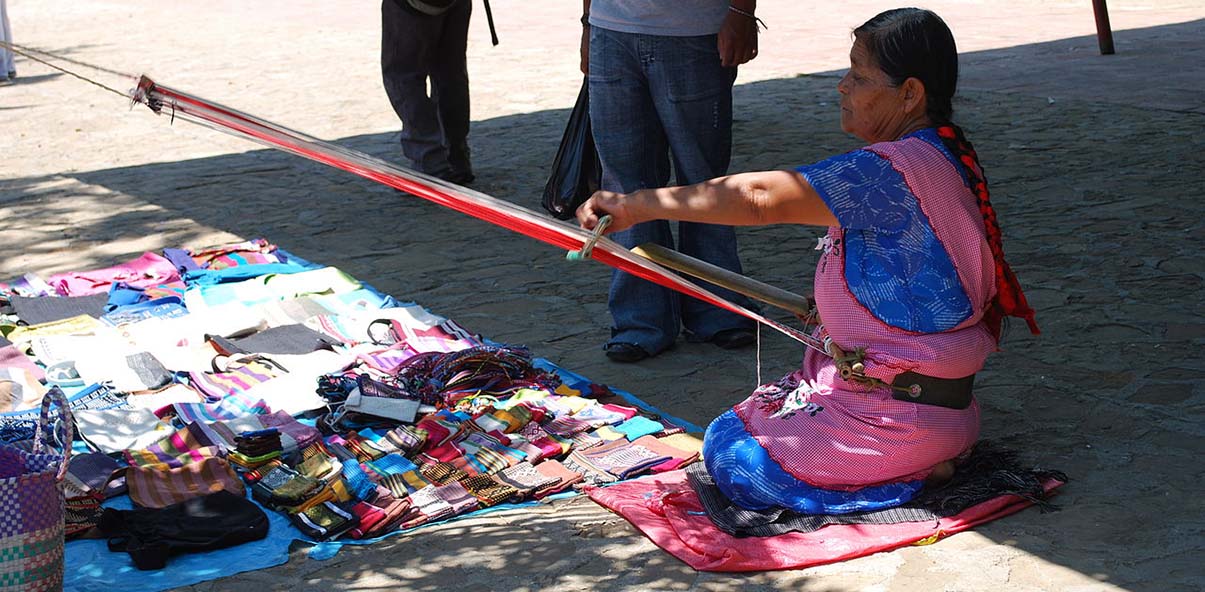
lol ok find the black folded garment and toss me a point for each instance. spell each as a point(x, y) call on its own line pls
point(215, 521)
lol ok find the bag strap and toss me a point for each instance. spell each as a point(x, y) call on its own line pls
point(66, 427)
point(489, 18)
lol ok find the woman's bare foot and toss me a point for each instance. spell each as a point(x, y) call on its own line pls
point(942, 472)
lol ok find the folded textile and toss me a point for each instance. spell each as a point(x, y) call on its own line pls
point(325, 521)
point(158, 485)
point(115, 430)
point(431, 504)
point(160, 308)
point(81, 513)
point(278, 486)
point(249, 252)
point(407, 438)
point(676, 457)
point(640, 426)
point(368, 518)
point(525, 479)
point(392, 512)
point(668, 511)
point(625, 461)
point(125, 372)
point(287, 339)
point(487, 490)
point(442, 473)
point(457, 497)
point(47, 309)
point(565, 478)
point(599, 415)
point(92, 473)
point(146, 271)
point(536, 436)
point(174, 450)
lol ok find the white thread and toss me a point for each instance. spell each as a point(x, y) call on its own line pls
point(758, 356)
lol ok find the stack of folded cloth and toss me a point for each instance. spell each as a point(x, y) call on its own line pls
point(526, 479)
point(564, 478)
point(621, 459)
point(254, 448)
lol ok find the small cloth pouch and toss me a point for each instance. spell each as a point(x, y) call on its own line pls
point(281, 486)
point(324, 521)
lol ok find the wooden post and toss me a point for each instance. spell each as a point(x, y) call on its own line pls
point(1104, 34)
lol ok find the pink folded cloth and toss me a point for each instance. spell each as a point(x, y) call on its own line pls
point(144, 272)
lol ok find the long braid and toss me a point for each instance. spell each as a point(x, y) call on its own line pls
point(1009, 300)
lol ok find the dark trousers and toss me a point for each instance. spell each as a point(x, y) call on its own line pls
point(416, 47)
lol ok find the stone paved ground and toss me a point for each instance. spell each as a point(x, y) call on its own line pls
point(1096, 167)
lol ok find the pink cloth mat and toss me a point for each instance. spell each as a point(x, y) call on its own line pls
point(667, 511)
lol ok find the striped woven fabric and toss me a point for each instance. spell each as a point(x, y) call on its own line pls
point(159, 486)
point(217, 385)
point(185, 445)
point(442, 473)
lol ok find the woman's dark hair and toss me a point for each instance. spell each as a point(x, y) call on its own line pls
point(915, 43)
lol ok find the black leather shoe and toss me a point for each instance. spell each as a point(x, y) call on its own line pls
point(625, 353)
point(458, 177)
point(734, 338)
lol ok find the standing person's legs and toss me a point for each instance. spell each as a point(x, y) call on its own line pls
point(692, 92)
point(408, 41)
point(631, 146)
point(450, 88)
point(8, 68)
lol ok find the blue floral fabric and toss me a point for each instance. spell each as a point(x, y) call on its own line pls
point(894, 263)
point(746, 474)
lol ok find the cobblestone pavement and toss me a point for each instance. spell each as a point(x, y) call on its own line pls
point(1096, 168)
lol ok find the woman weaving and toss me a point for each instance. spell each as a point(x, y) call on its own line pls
point(913, 272)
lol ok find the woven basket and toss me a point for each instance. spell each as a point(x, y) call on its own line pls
point(31, 506)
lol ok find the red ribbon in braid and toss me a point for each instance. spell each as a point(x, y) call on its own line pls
point(1009, 300)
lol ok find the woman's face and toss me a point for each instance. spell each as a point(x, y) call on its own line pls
point(872, 108)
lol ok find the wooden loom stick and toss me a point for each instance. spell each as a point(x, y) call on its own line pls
point(724, 278)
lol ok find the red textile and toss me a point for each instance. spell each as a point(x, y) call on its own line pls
point(667, 511)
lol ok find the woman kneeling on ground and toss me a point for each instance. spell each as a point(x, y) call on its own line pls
point(913, 272)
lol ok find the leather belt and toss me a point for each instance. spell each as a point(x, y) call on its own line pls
point(952, 393)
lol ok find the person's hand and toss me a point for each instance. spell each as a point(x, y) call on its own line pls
point(737, 40)
point(601, 204)
point(585, 65)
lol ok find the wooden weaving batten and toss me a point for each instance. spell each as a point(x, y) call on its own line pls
point(744, 285)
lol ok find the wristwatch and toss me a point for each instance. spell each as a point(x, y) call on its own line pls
point(585, 20)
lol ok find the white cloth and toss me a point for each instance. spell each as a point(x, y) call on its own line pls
point(115, 430)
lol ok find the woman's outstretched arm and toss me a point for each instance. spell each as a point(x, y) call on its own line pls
point(745, 199)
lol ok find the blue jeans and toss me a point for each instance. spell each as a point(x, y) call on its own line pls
point(657, 100)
